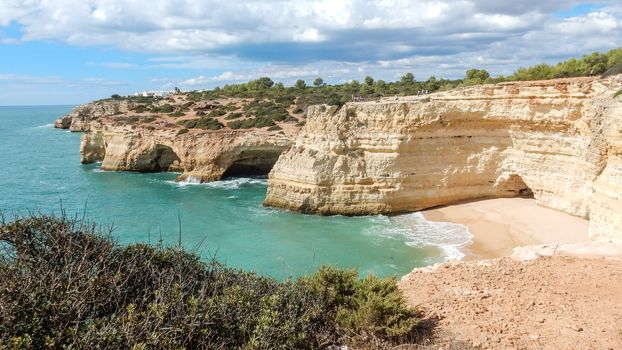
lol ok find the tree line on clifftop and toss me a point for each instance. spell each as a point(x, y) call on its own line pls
point(320, 92)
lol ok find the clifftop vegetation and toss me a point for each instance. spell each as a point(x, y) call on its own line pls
point(320, 92)
point(65, 284)
point(262, 103)
point(589, 65)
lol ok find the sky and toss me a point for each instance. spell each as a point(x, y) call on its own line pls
point(74, 51)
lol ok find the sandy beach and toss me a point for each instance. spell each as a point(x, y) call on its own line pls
point(498, 225)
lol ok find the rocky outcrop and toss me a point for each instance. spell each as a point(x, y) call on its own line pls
point(82, 117)
point(199, 156)
point(559, 140)
point(63, 122)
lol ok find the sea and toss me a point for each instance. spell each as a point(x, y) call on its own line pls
point(40, 172)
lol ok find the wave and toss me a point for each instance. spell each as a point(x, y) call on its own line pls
point(44, 126)
point(449, 237)
point(233, 183)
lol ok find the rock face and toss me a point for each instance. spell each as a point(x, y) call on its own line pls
point(559, 140)
point(204, 156)
point(81, 118)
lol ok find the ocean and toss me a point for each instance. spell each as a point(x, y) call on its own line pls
point(40, 171)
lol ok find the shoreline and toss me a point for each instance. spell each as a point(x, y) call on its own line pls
point(501, 224)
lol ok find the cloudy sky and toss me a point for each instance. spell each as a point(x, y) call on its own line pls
point(72, 51)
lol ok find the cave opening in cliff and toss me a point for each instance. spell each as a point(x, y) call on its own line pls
point(164, 159)
point(252, 164)
point(514, 186)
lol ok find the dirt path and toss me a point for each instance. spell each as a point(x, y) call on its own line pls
point(548, 303)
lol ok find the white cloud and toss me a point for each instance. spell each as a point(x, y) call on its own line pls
point(335, 39)
point(168, 26)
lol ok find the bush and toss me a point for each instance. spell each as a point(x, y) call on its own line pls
point(183, 131)
point(217, 112)
point(149, 119)
point(617, 93)
point(202, 123)
point(257, 122)
point(234, 116)
point(166, 108)
point(267, 109)
point(275, 128)
point(65, 284)
point(140, 109)
point(177, 114)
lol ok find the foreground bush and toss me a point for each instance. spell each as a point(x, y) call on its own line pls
point(65, 285)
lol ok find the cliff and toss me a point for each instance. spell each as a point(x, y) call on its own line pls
point(203, 139)
point(557, 140)
point(81, 117)
point(199, 156)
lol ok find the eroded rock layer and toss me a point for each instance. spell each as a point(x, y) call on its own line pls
point(559, 140)
point(83, 117)
point(203, 156)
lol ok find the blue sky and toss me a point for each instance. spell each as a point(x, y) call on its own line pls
point(68, 52)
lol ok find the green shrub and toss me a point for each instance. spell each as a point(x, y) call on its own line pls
point(202, 123)
point(617, 93)
point(177, 114)
point(140, 109)
point(166, 108)
point(230, 107)
point(65, 284)
point(149, 119)
point(183, 131)
point(275, 128)
point(217, 112)
point(233, 116)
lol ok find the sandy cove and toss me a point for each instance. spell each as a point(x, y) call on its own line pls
point(499, 225)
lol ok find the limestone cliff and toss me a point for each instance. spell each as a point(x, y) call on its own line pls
point(199, 156)
point(203, 137)
point(559, 140)
point(81, 117)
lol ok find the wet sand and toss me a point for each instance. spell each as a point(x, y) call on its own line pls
point(498, 225)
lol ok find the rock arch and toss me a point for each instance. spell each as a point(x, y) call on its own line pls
point(159, 158)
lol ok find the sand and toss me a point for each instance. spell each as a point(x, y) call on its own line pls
point(498, 225)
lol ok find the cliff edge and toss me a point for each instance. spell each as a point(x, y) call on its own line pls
point(559, 141)
point(204, 139)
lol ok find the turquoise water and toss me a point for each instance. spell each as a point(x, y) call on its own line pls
point(40, 168)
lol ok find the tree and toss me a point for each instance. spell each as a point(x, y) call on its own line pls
point(407, 79)
point(115, 96)
point(260, 84)
point(596, 63)
point(318, 82)
point(300, 84)
point(369, 81)
point(476, 76)
point(380, 87)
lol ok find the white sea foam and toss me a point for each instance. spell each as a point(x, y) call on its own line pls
point(419, 232)
point(44, 126)
point(226, 184)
